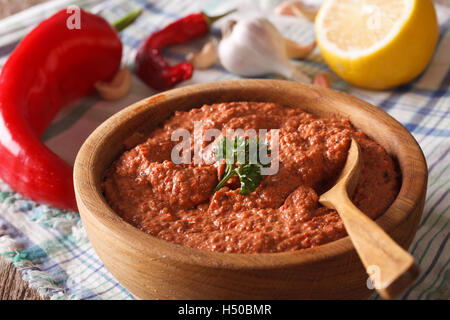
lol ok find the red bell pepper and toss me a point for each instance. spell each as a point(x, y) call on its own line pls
point(52, 66)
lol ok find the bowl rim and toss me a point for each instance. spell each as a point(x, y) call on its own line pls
point(99, 210)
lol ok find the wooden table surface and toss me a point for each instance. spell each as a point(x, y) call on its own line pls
point(12, 287)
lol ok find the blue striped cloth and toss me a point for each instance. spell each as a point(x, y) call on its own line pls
point(49, 246)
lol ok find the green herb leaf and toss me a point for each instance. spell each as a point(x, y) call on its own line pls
point(239, 154)
point(250, 176)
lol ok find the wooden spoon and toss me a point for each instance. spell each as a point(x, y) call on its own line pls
point(392, 268)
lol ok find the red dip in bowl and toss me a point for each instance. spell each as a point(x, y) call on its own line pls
point(177, 203)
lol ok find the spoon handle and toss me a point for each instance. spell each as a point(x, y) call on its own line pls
point(392, 269)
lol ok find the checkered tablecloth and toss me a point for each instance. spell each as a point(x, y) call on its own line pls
point(50, 246)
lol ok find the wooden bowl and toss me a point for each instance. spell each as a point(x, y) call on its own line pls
point(151, 268)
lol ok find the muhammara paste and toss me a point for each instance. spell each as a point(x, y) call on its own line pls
point(177, 203)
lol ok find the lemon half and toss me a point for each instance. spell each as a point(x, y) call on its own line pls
point(377, 44)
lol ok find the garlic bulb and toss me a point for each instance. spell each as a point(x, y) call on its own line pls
point(255, 47)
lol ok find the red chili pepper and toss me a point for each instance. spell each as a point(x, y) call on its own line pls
point(52, 66)
point(151, 66)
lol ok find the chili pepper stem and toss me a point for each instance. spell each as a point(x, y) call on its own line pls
point(128, 19)
point(211, 20)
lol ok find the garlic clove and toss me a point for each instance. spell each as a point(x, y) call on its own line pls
point(298, 9)
point(321, 79)
point(296, 50)
point(299, 76)
point(117, 88)
point(206, 57)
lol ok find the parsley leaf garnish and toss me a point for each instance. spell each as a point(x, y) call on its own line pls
point(239, 155)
